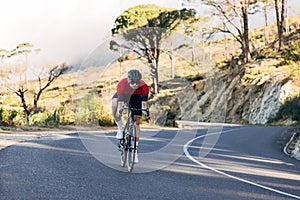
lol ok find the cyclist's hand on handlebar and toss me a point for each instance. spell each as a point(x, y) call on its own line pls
point(147, 114)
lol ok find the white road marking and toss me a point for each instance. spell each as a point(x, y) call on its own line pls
point(186, 146)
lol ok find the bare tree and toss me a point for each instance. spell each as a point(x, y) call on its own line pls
point(21, 93)
point(280, 15)
point(17, 76)
point(53, 74)
point(235, 15)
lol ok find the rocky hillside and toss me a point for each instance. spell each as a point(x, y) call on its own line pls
point(247, 94)
point(267, 90)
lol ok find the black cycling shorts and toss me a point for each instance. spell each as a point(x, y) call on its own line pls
point(135, 101)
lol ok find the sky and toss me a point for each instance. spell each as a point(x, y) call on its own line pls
point(64, 30)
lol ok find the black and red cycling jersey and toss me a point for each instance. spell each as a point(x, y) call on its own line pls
point(125, 92)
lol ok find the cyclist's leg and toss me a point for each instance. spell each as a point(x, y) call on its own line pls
point(118, 120)
point(137, 122)
point(114, 106)
point(135, 102)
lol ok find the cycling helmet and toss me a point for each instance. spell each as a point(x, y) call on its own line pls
point(134, 75)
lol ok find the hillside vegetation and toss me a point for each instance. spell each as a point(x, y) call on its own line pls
point(199, 91)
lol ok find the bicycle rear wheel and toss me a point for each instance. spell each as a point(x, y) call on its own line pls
point(131, 149)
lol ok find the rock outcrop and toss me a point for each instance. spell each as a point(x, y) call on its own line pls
point(236, 98)
point(248, 94)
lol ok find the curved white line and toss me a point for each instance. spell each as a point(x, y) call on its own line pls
point(186, 146)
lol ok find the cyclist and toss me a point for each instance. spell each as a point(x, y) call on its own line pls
point(132, 91)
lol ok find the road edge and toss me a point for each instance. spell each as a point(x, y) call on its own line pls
point(292, 147)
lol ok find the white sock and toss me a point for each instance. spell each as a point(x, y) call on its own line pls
point(119, 124)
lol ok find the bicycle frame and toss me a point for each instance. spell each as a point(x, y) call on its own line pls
point(128, 143)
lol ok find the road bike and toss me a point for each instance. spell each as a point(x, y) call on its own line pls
point(127, 144)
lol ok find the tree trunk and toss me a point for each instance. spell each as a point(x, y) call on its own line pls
point(282, 21)
point(153, 58)
point(245, 37)
point(172, 61)
point(156, 87)
point(225, 42)
point(266, 29)
point(172, 65)
point(21, 94)
point(286, 18)
point(280, 9)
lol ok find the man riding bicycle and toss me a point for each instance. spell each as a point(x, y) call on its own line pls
point(131, 91)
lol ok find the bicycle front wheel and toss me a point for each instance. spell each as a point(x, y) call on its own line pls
point(131, 149)
point(123, 155)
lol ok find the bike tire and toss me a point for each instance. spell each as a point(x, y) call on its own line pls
point(124, 153)
point(131, 149)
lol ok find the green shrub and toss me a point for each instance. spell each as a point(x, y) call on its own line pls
point(20, 119)
point(45, 119)
point(1, 114)
point(264, 53)
point(12, 114)
point(105, 120)
point(85, 111)
point(292, 53)
point(104, 117)
point(171, 115)
point(197, 77)
point(7, 117)
point(289, 110)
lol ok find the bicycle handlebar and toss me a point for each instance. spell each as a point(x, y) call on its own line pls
point(137, 109)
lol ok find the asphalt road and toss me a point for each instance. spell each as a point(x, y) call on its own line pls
point(239, 163)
